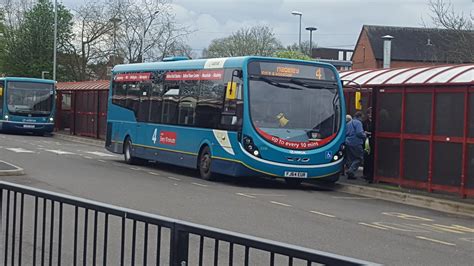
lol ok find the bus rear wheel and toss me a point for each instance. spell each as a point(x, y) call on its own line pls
point(204, 164)
point(127, 153)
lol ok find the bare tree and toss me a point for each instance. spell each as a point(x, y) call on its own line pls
point(91, 45)
point(458, 33)
point(257, 40)
point(148, 30)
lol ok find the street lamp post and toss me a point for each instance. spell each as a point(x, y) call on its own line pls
point(55, 37)
point(311, 29)
point(115, 20)
point(298, 13)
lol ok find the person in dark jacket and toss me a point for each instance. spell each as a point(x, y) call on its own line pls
point(355, 138)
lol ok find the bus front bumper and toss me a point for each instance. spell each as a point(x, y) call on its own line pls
point(13, 126)
point(250, 165)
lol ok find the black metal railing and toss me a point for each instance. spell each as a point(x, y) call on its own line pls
point(46, 228)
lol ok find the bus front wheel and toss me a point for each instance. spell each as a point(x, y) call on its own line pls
point(205, 162)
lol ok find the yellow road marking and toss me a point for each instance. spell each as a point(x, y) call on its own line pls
point(323, 214)
point(457, 228)
point(442, 228)
point(201, 185)
point(374, 226)
point(407, 216)
point(279, 203)
point(173, 178)
point(435, 241)
point(245, 195)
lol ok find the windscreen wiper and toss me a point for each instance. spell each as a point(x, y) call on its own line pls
point(277, 84)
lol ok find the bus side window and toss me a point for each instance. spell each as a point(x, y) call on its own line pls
point(144, 109)
point(232, 113)
point(119, 94)
point(169, 114)
point(209, 105)
point(156, 102)
point(189, 91)
point(133, 97)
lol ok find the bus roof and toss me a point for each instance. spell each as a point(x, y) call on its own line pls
point(21, 79)
point(228, 62)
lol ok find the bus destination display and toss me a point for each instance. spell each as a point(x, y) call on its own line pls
point(291, 71)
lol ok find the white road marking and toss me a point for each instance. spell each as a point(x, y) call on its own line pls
point(153, 173)
point(102, 154)
point(467, 239)
point(173, 178)
point(435, 241)
point(323, 214)
point(281, 204)
point(201, 185)
point(374, 226)
point(19, 150)
point(102, 161)
point(59, 152)
point(87, 157)
point(135, 168)
point(245, 195)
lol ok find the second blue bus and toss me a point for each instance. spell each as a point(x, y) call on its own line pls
point(242, 116)
point(27, 105)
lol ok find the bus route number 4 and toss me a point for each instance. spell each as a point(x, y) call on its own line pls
point(154, 137)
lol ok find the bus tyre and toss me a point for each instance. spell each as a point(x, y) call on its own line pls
point(204, 164)
point(293, 181)
point(127, 152)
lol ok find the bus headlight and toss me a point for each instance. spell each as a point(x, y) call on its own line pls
point(51, 119)
point(6, 117)
point(250, 146)
point(340, 153)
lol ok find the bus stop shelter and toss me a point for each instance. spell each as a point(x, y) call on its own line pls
point(423, 120)
point(82, 108)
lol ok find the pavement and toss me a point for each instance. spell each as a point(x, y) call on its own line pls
point(448, 203)
point(10, 169)
point(329, 220)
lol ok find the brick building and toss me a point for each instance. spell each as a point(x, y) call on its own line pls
point(412, 47)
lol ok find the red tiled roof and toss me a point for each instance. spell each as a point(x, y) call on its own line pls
point(84, 85)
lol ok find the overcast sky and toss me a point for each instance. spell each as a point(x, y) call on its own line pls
point(338, 21)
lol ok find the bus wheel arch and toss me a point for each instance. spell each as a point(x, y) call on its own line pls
point(204, 162)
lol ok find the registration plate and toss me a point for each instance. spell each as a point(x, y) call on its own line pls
point(28, 126)
point(296, 174)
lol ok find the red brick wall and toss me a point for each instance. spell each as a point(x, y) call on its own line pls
point(363, 56)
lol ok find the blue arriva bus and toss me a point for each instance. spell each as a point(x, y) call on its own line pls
point(27, 105)
point(242, 116)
